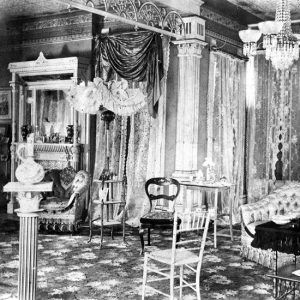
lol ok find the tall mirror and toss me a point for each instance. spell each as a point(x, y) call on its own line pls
point(39, 104)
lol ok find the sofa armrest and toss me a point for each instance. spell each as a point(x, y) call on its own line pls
point(258, 211)
point(81, 182)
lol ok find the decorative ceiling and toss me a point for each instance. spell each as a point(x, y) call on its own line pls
point(265, 9)
point(27, 8)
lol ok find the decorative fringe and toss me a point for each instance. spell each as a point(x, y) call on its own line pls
point(113, 95)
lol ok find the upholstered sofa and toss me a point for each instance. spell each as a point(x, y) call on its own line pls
point(66, 207)
point(283, 200)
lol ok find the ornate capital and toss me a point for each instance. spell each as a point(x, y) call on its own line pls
point(190, 47)
point(14, 85)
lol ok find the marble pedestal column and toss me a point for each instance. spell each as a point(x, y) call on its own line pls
point(29, 198)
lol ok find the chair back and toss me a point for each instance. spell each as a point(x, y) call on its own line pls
point(192, 228)
point(110, 199)
point(162, 192)
point(103, 192)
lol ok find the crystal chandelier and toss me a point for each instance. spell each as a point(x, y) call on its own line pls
point(281, 46)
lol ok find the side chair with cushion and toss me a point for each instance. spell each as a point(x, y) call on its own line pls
point(161, 193)
point(185, 255)
point(66, 207)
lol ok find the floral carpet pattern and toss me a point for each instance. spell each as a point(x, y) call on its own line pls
point(71, 268)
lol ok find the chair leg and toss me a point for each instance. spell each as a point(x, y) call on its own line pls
point(123, 226)
point(101, 236)
point(141, 233)
point(177, 238)
point(215, 232)
point(181, 281)
point(149, 236)
point(198, 283)
point(144, 276)
point(112, 232)
point(172, 283)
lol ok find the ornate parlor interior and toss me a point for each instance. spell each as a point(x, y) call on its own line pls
point(127, 119)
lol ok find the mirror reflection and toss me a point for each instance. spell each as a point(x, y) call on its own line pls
point(53, 117)
point(53, 112)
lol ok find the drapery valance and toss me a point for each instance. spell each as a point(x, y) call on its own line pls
point(135, 57)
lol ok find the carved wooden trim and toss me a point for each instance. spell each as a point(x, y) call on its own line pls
point(55, 156)
point(45, 66)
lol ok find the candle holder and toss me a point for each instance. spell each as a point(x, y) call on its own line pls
point(70, 134)
point(24, 132)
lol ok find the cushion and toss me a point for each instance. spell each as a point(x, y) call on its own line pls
point(158, 218)
point(67, 176)
point(53, 203)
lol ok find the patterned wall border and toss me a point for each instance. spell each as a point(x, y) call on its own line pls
point(50, 30)
point(57, 22)
point(220, 19)
point(44, 41)
point(58, 39)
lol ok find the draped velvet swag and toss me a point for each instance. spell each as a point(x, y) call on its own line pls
point(226, 121)
point(145, 135)
point(134, 57)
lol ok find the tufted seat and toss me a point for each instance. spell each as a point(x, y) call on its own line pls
point(281, 201)
point(162, 217)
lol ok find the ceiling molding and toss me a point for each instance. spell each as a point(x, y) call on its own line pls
point(224, 38)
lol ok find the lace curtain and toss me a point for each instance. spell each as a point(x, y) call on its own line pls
point(273, 128)
point(52, 108)
point(226, 121)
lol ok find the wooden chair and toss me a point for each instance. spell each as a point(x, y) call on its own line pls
point(185, 254)
point(161, 193)
point(109, 207)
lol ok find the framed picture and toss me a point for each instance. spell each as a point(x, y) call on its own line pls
point(4, 130)
point(5, 104)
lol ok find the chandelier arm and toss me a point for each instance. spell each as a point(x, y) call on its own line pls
point(281, 46)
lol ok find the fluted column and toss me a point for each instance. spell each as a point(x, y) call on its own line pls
point(27, 277)
point(189, 54)
point(29, 197)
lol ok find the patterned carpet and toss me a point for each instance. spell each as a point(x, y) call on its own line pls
point(71, 268)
